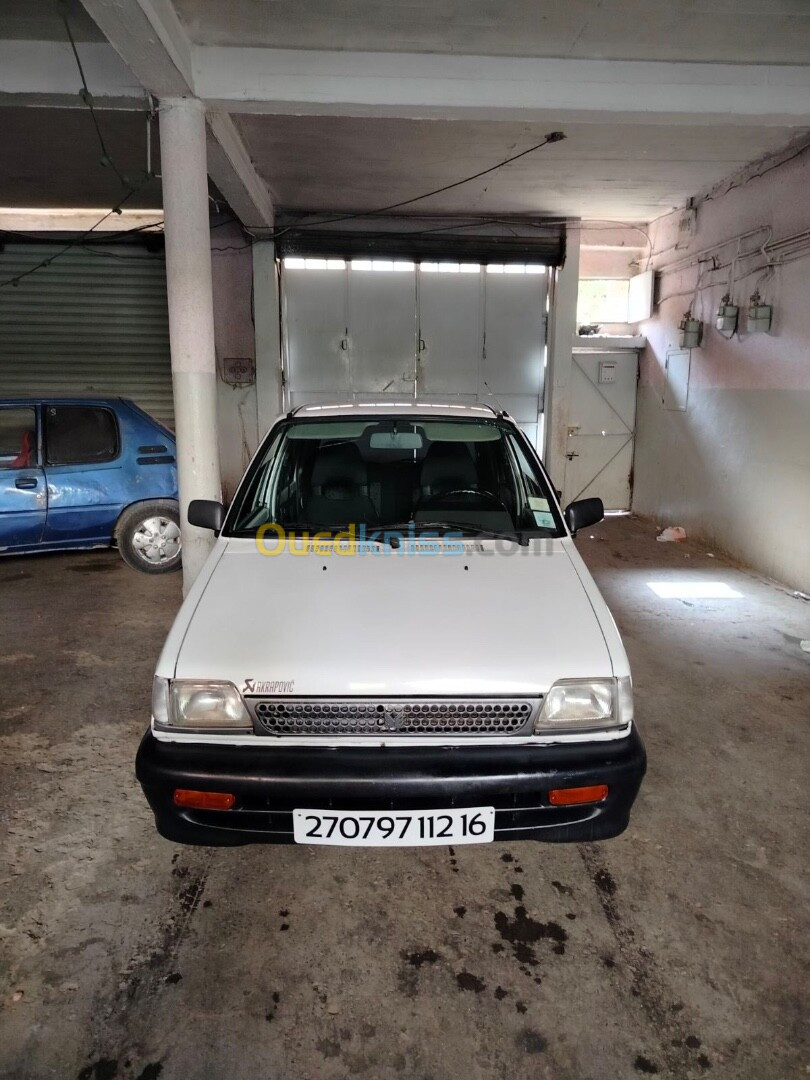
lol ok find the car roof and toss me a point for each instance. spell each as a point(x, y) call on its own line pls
point(61, 395)
point(397, 408)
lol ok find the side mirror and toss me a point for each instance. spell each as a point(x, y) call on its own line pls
point(584, 512)
point(206, 514)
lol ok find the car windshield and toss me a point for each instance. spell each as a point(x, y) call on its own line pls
point(469, 475)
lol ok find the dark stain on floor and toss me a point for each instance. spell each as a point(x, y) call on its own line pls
point(408, 978)
point(103, 1069)
point(417, 959)
point(522, 932)
point(531, 1042)
point(467, 981)
point(564, 890)
point(151, 1071)
point(644, 1065)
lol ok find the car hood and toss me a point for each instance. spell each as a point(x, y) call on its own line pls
point(481, 622)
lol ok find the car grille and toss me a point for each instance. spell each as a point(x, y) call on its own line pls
point(444, 716)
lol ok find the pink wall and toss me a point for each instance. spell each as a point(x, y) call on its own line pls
point(776, 204)
point(734, 467)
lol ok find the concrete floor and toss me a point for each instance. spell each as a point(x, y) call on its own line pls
point(674, 950)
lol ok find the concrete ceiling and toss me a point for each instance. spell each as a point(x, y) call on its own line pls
point(628, 172)
point(41, 20)
point(350, 130)
point(735, 31)
point(56, 159)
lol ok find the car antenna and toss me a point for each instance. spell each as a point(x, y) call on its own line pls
point(501, 410)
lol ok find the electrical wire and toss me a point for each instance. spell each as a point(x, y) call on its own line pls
point(15, 281)
point(772, 267)
point(552, 137)
point(132, 189)
point(87, 98)
point(716, 194)
point(48, 238)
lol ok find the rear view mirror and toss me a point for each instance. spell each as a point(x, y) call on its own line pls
point(206, 514)
point(396, 440)
point(584, 512)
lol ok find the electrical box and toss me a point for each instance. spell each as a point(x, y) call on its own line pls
point(676, 388)
point(727, 314)
point(239, 371)
point(607, 371)
point(687, 226)
point(691, 331)
point(760, 316)
point(640, 297)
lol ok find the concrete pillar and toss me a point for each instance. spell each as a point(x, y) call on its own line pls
point(266, 318)
point(191, 316)
point(562, 328)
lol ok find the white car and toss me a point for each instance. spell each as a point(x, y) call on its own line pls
point(393, 642)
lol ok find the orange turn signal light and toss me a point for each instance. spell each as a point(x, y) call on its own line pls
point(570, 796)
point(204, 800)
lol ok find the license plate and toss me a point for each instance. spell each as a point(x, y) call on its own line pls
point(408, 828)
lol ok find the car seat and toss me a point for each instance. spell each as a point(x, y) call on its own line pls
point(27, 455)
point(447, 467)
point(339, 488)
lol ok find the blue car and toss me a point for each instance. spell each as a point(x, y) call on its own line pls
point(78, 472)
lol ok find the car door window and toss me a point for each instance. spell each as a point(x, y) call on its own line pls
point(18, 438)
point(80, 435)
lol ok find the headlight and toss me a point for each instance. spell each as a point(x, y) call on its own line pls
point(192, 704)
point(586, 705)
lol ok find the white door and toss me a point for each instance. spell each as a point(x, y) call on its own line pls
point(515, 346)
point(387, 331)
point(451, 333)
point(382, 333)
point(601, 427)
point(316, 354)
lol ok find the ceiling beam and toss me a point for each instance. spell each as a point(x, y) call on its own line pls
point(231, 169)
point(431, 86)
point(152, 42)
point(44, 73)
point(149, 38)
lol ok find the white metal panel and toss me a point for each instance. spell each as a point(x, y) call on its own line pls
point(515, 345)
point(599, 447)
point(356, 335)
point(451, 334)
point(382, 333)
point(676, 389)
point(640, 297)
point(316, 337)
point(95, 319)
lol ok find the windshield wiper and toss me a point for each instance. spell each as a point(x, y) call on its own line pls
point(458, 526)
point(314, 527)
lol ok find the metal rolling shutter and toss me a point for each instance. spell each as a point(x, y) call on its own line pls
point(93, 320)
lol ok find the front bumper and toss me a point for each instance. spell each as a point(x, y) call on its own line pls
point(269, 781)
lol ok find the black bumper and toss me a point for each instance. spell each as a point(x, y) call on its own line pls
point(269, 781)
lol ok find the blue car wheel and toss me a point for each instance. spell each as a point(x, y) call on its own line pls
point(148, 536)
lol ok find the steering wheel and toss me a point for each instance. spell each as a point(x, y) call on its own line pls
point(482, 494)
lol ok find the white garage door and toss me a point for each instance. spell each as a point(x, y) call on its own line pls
point(395, 331)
